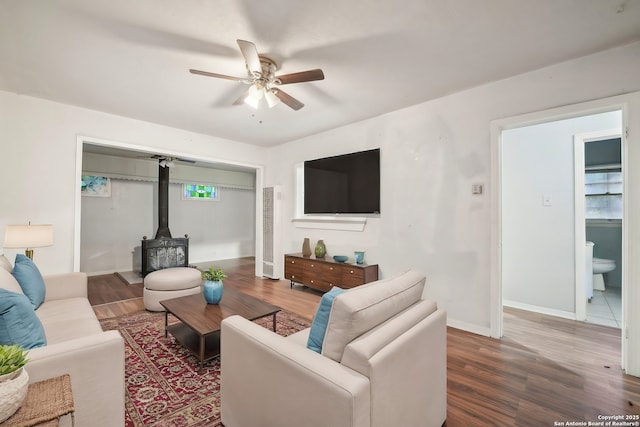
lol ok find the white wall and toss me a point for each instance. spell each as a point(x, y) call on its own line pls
point(538, 240)
point(431, 154)
point(113, 226)
point(38, 141)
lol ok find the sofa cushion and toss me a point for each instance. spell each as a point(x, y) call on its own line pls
point(5, 264)
point(30, 280)
point(18, 322)
point(319, 323)
point(8, 282)
point(360, 309)
point(68, 319)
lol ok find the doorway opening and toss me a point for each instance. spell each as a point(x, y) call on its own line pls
point(550, 199)
point(543, 267)
point(126, 150)
point(599, 212)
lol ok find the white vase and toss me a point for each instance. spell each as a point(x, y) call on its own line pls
point(12, 393)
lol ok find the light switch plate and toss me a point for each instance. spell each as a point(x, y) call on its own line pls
point(476, 189)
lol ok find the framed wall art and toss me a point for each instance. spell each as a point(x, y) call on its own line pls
point(96, 186)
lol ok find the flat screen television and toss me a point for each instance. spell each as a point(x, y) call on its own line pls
point(345, 184)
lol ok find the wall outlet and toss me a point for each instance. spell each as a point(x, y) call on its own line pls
point(547, 200)
point(476, 188)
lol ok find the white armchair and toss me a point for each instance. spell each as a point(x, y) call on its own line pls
point(383, 363)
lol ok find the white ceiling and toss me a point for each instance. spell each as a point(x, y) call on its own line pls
point(132, 58)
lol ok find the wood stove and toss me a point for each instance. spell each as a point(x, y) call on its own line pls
point(164, 251)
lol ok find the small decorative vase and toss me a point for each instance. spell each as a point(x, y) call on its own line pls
point(321, 249)
point(212, 291)
point(12, 393)
point(359, 256)
point(306, 247)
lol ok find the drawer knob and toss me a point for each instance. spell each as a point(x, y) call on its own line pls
point(293, 277)
point(312, 281)
point(330, 268)
point(351, 271)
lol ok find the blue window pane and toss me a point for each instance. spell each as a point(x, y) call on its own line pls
point(202, 192)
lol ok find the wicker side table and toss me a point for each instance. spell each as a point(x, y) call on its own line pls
point(45, 403)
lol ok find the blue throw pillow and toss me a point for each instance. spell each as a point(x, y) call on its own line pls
point(30, 280)
point(18, 322)
point(320, 320)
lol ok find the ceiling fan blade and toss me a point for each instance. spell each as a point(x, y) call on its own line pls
point(185, 160)
point(240, 100)
point(303, 76)
point(220, 76)
point(288, 99)
point(251, 57)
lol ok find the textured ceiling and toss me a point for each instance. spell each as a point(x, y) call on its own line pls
point(132, 58)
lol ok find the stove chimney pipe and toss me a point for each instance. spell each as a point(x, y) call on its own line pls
point(163, 203)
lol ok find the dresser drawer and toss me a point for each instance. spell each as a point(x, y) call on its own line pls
point(293, 269)
point(352, 277)
point(322, 276)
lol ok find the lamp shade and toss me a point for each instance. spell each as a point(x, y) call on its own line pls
point(28, 235)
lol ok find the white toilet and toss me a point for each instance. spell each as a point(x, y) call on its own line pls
point(601, 266)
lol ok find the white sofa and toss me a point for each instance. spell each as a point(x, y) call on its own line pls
point(76, 345)
point(383, 363)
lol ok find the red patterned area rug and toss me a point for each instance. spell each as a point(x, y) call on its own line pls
point(164, 385)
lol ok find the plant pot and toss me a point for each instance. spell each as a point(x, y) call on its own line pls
point(12, 393)
point(212, 291)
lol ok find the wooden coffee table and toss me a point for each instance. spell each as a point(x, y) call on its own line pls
point(199, 326)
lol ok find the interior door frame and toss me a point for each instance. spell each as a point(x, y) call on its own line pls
point(631, 292)
point(81, 140)
point(579, 141)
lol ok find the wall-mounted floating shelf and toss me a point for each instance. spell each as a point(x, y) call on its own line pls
point(331, 223)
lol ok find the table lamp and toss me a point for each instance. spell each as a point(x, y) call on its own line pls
point(28, 236)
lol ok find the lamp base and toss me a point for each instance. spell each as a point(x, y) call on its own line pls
point(29, 253)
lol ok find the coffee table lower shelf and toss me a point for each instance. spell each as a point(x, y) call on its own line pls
point(198, 326)
point(205, 347)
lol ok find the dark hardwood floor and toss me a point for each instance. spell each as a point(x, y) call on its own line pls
point(544, 371)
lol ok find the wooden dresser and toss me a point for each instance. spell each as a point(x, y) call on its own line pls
point(324, 273)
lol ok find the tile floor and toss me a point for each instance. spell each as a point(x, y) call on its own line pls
point(605, 307)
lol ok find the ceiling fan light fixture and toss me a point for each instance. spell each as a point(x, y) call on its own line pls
point(166, 162)
point(256, 93)
point(271, 98)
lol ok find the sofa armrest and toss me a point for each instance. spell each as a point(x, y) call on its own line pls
point(96, 366)
point(65, 285)
point(285, 383)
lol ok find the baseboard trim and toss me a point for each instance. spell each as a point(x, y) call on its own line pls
point(469, 327)
point(542, 310)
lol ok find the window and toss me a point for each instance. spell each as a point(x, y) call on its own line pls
point(603, 193)
point(199, 192)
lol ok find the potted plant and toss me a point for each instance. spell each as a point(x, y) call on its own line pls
point(213, 284)
point(14, 380)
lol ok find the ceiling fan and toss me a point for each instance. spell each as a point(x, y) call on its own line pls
point(262, 79)
point(167, 161)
